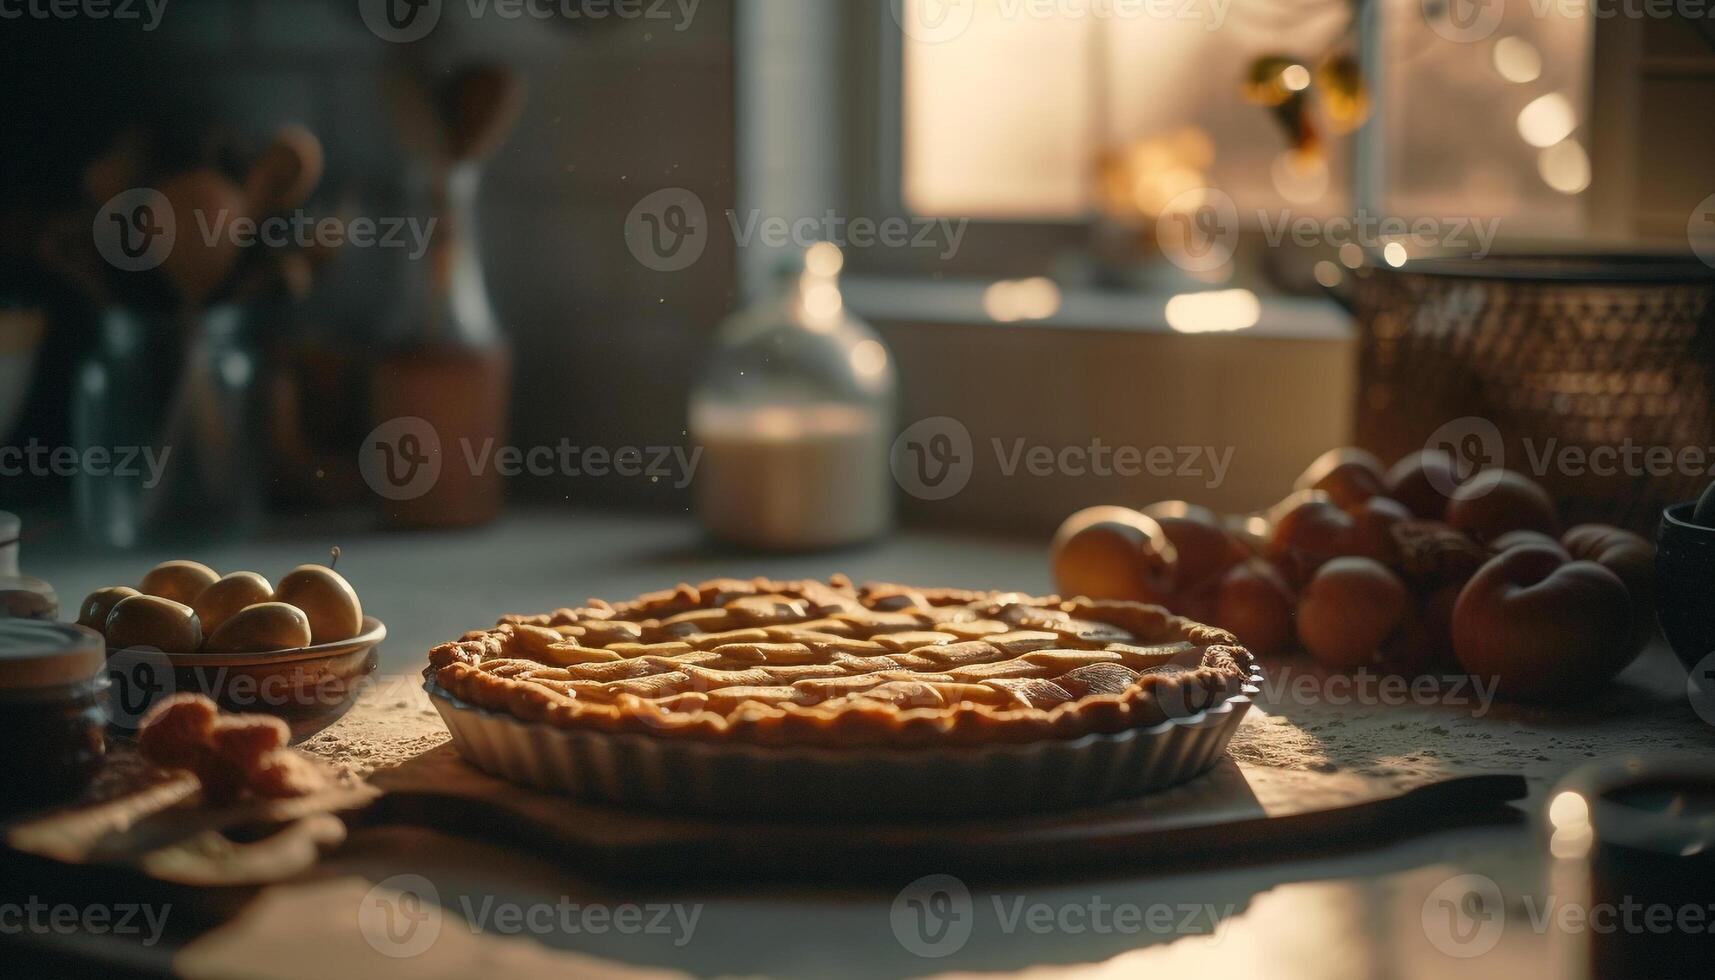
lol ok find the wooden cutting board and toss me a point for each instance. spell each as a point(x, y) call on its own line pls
point(1302, 781)
point(161, 829)
point(1235, 814)
point(1304, 777)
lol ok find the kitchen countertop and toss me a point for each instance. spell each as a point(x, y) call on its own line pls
point(1360, 914)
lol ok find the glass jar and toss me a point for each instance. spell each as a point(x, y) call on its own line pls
point(171, 405)
point(51, 718)
point(21, 596)
point(1632, 842)
point(793, 415)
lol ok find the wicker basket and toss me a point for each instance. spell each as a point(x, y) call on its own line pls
point(1562, 353)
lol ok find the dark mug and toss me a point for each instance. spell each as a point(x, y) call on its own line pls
point(1685, 584)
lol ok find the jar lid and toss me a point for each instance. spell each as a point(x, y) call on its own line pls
point(1663, 804)
point(24, 597)
point(36, 654)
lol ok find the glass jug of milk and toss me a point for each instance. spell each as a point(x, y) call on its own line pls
point(794, 415)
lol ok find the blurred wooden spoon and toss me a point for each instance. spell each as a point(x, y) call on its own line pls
point(416, 119)
point(205, 204)
point(286, 173)
point(485, 104)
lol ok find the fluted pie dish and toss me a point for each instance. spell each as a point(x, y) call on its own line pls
point(810, 697)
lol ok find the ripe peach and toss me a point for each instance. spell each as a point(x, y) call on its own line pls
point(1350, 611)
point(1163, 509)
point(1308, 530)
point(1494, 502)
point(1255, 604)
point(1543, 627)
point(1421, 482)
point(1517, 539)
point(1113, 553)
point(1372, 529)
point(1349, 476)
point(1250, 532)
point(1627, 555)
point(1204, 547)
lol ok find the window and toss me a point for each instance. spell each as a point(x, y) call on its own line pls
point(1056, 111)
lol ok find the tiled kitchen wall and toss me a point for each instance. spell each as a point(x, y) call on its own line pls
point(616, 108)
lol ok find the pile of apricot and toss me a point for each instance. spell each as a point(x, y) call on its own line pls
point(187, 607)
point(1407, 570)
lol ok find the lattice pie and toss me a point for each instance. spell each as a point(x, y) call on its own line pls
point(824, 663)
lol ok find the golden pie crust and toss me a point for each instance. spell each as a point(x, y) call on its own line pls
point(793, 663)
